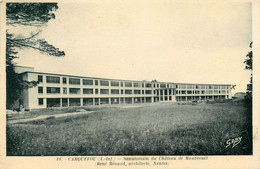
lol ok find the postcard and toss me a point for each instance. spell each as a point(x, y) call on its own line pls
point(129, 84)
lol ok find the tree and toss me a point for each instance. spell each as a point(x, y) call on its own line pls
point(249, 66)
point(249, 59)
point(30, 15)
point(248, 99)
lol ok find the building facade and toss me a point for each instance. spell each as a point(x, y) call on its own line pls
point(58, 90)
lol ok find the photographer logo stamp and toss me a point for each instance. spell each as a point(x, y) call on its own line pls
point(233, 142)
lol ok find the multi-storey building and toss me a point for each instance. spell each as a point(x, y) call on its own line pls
point(59, 90)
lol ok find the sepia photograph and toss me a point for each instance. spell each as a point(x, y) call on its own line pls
point(129, 78)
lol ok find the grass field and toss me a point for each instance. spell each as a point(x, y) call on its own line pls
point(159, 129)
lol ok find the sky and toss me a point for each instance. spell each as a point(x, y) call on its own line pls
point(162, 40)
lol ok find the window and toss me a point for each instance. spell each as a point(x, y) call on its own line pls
point(87, 82)
point(74, 81)
point(87, 91)
point(53, 102)
point(137, 99)
point(96, 91)
point(104, 100)
point(74, 90)
point(142, 91)
point(74, 101)
point(148, 85)
point(163, 85)
point(128, 84)
point(196, 86)
point(114, 91)
point(203, 92)
point(39, 78)
point(143, 85)
point(161, 92)
point(114, 83)
point(137, 91)
point(136, 84)
point(197, 92)
point(203, 86)
point(210, 87)
point(222, 87)
point(88, 101)
point(104, 83)
point(122, 91)
point(183, 86)
point(183, 92)
point(40, 101)
point(189, 91)
point(128, 91)
point(40, 89)
point(165, 92)
point(104, 91)
point(189, 86)
point(64, 80)
point(215, 87)
point(128, 100)
point(148, 92)
point(122, 84)
point(122, 100)
point(52, 79)
point(53, 90)
point(96, 101)
point(64, 102)
point(64, 90)
point(96, 82)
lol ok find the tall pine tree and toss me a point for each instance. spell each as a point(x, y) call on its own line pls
point(31, 15)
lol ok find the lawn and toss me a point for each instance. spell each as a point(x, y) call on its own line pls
point(156, 129)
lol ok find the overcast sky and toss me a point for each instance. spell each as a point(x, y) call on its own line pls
point(166, 41)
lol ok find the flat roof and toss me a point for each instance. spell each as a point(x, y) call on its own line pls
point(119, 79)
point(24, 66)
